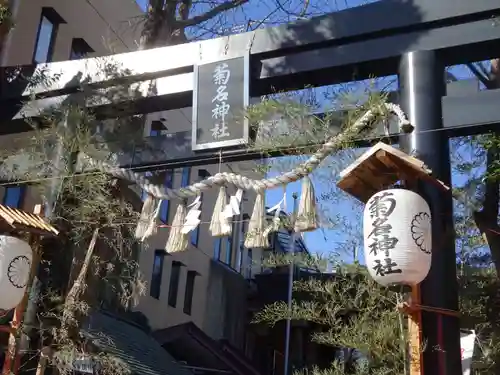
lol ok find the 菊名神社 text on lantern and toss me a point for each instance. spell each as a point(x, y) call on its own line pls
point(397, 237)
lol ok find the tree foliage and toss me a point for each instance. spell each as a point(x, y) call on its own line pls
point(348, 310)
point(476, 172)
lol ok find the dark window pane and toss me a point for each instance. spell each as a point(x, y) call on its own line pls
point(157, 127)
point(46, 35)
point(186, 174)
point(239, 256)
point(157, 273)
point(43, 43)
point(217, 245)
point(188, 296)
point(174, 284)
point(79, 49)
point(249, 263)
point(164, 208)
point(14, 196)
point(169, 179)
point(229, 251)
point(165, 204)
point(195, 235)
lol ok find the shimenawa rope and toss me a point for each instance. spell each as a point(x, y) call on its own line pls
point(245, 183)
point(256, 235)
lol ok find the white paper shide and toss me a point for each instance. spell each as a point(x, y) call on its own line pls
point(467, 342)
point(397, 237)
point(15, 263)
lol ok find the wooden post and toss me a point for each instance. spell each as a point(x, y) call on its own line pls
point(415, 332)
point(43, 360)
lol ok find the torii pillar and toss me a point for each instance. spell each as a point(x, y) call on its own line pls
point(422, 86)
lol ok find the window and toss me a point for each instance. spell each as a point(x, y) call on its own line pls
point(239, 255)
point(217, 245)
point(157, 273)
point(239, 258)
point(14, 196)
point(165, 204)
point(203, 174)
point(46, 37)
point(249, 263)
point(229, 250)
point(186, 174)
point(188, 296)
point(195, 233)
point(157, 127)
point(79, 49)
point(174, 283)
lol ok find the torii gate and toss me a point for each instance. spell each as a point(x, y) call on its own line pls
point(414, 39)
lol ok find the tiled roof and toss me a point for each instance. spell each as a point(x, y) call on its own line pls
point(140, 351)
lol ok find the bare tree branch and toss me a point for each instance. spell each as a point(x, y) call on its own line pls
point(224, 7)
point(304, 9)
point(480, 76)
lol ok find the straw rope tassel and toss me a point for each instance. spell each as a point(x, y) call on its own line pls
point(178, 241)
point(255, 236)
point(147, 214)
point(219, 225)
point(307, 216)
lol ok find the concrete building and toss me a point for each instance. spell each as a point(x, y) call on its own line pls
point(57, 30)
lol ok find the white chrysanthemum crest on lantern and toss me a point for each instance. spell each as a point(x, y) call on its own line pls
point(15, 264)
point(397, 237)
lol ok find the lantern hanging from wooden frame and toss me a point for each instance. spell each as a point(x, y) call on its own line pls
point(16, 256)
point(397, 237)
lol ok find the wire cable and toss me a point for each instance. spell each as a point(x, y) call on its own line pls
point(168, 165)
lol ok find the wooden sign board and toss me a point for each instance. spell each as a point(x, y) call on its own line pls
point(220, 98)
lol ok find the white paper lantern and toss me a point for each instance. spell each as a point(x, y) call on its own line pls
point(15, 263)
point(397, 237)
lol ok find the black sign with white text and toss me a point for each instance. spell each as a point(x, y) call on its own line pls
point(220, 97)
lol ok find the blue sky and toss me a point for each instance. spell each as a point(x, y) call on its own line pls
point(267, 14)
point(264, 12)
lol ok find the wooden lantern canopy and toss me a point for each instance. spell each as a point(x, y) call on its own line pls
point(381, 167)
point(13, 220)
